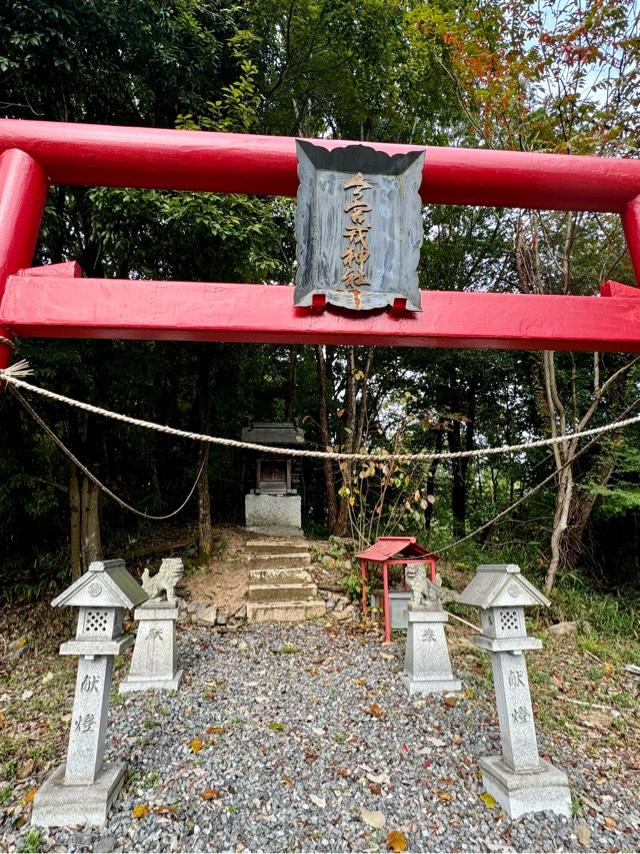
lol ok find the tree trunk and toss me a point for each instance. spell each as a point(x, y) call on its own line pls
point(560, 519)
point(203, 398)
point(75, 535)
point(91, 541)
point(431, 476)
point(323, 422)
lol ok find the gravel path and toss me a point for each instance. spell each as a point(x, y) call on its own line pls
point(302, 727)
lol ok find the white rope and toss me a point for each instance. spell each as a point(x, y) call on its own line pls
point(55, 438)
point(7, 375)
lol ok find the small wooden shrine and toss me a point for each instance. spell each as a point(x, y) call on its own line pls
point(391, 551)
point(273, 505)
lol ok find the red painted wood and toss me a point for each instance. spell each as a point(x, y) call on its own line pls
point(70, 269)
point(616, 289)
point(631, 226)
point(196, 311)
point(23, 192)
point(266, 165)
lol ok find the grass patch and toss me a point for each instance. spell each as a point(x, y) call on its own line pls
point(32, 843)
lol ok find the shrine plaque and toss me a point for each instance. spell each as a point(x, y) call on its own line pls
point(359, 227)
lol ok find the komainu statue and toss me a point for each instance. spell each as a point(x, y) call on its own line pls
point(423, 590)
point(166, 578)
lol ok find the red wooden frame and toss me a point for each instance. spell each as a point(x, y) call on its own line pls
point(55, 302)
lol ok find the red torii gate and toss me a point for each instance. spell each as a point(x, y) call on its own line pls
point(53, 301)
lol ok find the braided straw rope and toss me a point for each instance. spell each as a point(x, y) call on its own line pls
point(13, 374)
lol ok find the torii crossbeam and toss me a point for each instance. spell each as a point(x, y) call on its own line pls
point(55, 301)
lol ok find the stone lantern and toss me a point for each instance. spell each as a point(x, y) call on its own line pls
point(82, 790)
point(519, 780)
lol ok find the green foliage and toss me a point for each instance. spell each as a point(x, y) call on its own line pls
point(32, 843)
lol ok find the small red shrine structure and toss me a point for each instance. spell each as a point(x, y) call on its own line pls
point(390, 551)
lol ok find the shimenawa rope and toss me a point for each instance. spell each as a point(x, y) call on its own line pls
point(12, 376)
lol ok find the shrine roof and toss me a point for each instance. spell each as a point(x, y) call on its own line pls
point(282, 433)
point(385, 548)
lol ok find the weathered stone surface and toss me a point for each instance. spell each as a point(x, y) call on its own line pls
point(89, 720)
point(283, 612)
point(57, 804)
point(280, 561)
point(278, 575)
point(562, 630)
point(518, 792)
point(427, 666)
point(270, 513)
point(281, 592)
point(288, 546)
point(207, 616)
point(515, 712)
point(153, 664)
point(221, 619)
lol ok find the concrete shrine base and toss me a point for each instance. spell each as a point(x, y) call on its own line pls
point(275, 515)
point(430, 686)
point(57, 805)
point(520, 792)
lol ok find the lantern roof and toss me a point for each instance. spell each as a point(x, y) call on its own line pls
point(500, 585)
point(386, 548)
point(106, 584)
point(283, 433)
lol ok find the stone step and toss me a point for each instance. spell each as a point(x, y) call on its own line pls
point(285, 612)
point(282, 592)
point(274, 575)
point(272, 547)
point(297, 560)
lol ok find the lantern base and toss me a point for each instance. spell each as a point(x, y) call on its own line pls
point(540, 789)
point(57, 805)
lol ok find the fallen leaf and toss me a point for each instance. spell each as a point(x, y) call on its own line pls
point(319, 802)
point(610, 822)
point(343, 772)
point(375, 788)
point(583, 833)
point(488, 800)
point(25, 769)
point(405, 747)
point(375, 710)
point(196, 744)
point(210, 795)
point(381, 779)
point(427, 763)
point(450, 700)
point(437, 742)
point(445, 796)
point(27, 695)
point(28, 798)
point(215, 730)
point(310, 756)
point(140, 811)
point(359, 682)
point(165, 809)
point(275, 726)
point(373, 818)
point(386, 656)
point(287, 781)
point(469, 693)
point(396, 841)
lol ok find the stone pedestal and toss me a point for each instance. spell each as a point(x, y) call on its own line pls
point(427, 666)
point(153, 664)
point(274, 515)
point(58, 804)
point(534, 790)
